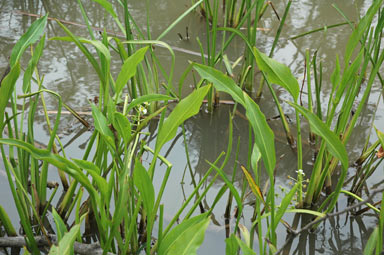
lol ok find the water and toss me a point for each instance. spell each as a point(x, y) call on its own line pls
point(67, 73)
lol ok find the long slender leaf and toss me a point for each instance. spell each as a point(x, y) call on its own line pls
point(30, 37)
point(32, 64)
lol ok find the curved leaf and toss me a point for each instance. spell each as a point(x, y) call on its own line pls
point(334, 145)
point(144, 184)
point(187, 107)
point(6, 89)
point(185, 238)
point(128, 70)
point(30, 37)
point(277, 73)
point(221, 82)
point(65, 246)
point(264, 137)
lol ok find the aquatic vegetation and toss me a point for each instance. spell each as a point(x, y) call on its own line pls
point(110, 188)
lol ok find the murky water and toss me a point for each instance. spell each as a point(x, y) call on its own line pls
point(67, 73)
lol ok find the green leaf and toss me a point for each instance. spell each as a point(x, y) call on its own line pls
point(185, 238)
point(6, 89)
point(284, 205)
point(277, 73)
point(264, 137)
point(32, 64)
point(369, 248)
point(146, 99)
point(60, 162)
point(334, 145)
point(31, 36)
point(61, 229)
point(7, 223)
point(360, 30)
point(185, 109)
point(128, 70)
point(244, 247)
point(263, 133)
point(107, 6)
point(83, 49)
point(97, 44)
point(123, 126)
point(65, 246)
point(101, 125)
point(231, 245)
point(144, 185)
point(95, 172)
point(335, 77)
point(221, 81)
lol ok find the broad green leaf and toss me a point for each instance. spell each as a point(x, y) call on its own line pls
point(123, 126)
point(146, 99)
point(65, 246)
point(185, 109)
point(231, 245)
point(362, 27)
point(277, 73)
point(244, 247)
point(369, 248)
point(32, 64)
point(185, 238)
point(334, 145)
point(30, 37)
point(284, 205)
point(128, 70)
point(221, 81)
point(144, 185)
point(6, 89)
point(61, 229)
point(264, 137)
point(101, 125)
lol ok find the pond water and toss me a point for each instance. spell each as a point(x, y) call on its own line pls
point(67, 73)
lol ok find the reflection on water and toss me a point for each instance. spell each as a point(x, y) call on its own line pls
point(67, 73)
